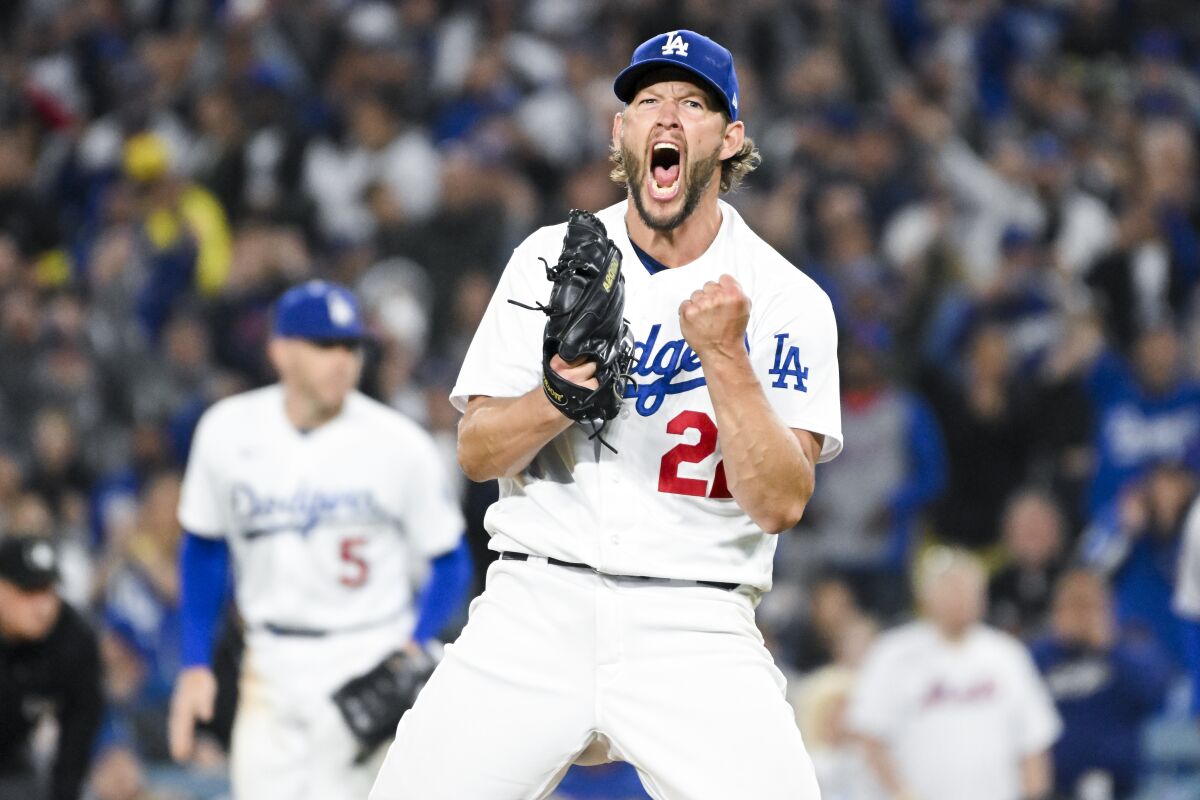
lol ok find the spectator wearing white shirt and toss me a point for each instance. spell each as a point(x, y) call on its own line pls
point(950, 708)
point(379, 149)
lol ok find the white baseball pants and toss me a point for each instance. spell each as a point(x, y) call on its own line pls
point(671, 676)
point(289, 740)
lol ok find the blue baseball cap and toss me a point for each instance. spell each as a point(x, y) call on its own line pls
point(318, 311)
point(687, 50)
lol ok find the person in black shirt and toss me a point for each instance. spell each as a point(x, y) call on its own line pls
point(49, 664)
point(1033, 530)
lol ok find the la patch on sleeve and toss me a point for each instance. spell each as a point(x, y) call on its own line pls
point(787, 366)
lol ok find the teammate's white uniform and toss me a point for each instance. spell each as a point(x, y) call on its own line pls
point(672, 673)
point(324, 528)
point(957, 718)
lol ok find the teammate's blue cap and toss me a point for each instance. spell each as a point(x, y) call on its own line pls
point(687, 50)
point(319, 311)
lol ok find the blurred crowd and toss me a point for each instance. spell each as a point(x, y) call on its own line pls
point(999, 197)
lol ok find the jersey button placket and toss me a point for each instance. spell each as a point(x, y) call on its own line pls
point(614, 490)
point(607, 511)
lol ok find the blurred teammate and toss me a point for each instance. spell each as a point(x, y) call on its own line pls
point(950, 708)
point(49, 667)
point(619, 619)
point(326, 501)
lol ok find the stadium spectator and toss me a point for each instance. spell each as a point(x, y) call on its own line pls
point(1146, 408)
point(1105, 689)
point(984, 416)
point(1136, 541)
point(377, 148)
point(184, 232)
point(820, 700)
point(949, 708)
point(832, 611)
point(991, 195)
point(1149, 276)
point(1034, 538)
point(141, 635)
point(58, 474)
point(1186, 600)
point(866, 516)
point(838, 757)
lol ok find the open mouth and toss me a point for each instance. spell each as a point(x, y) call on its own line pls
point(665, 168)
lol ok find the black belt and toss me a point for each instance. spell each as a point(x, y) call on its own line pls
point(508, 555)
point(316, 633)
point(290, 630)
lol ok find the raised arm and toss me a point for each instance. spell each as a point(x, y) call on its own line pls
point(770, 467)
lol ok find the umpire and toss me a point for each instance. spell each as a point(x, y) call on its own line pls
point(49, 666)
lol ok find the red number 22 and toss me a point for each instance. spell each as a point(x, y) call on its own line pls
point(669, 479)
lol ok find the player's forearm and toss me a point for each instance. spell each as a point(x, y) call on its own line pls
point(881, 764)
point(768, 472)
point(499, 436)
point(1035, 775)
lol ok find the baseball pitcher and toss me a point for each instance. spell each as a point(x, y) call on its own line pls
point(654, 400)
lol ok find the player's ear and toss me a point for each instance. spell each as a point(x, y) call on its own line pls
point(735, 135)
point(618, 121)
point(277, 354)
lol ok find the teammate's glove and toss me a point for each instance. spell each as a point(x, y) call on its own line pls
point(584, 320)
point(373, 703)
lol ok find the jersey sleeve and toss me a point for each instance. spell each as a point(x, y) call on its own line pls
point(433, 521)
point(200, 508)
point(1038, 724)
point(505, 357)
point(874, 708)
point(1187, 584)
point(793, 349)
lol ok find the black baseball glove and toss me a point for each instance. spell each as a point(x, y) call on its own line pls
point(373, 703)
point(584, 320)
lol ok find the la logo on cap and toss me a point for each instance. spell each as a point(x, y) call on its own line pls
point(340, 312)
point(675, 44)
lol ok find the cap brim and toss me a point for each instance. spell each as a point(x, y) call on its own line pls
point(329, 339)
point(33, 583)
point(345, 341)
point(626, 83)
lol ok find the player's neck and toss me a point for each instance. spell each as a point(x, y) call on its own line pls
point(304, 414)
point(954, 634)
point(681, 245)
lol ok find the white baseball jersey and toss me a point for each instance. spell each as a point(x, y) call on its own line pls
point(1187, 583)
point(321, 525)
point(957, 717)
point(660, 507)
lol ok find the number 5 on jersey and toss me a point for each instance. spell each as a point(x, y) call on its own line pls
point(355, 568)
point(669, 479)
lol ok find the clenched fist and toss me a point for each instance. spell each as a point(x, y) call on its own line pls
point(714, 318)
